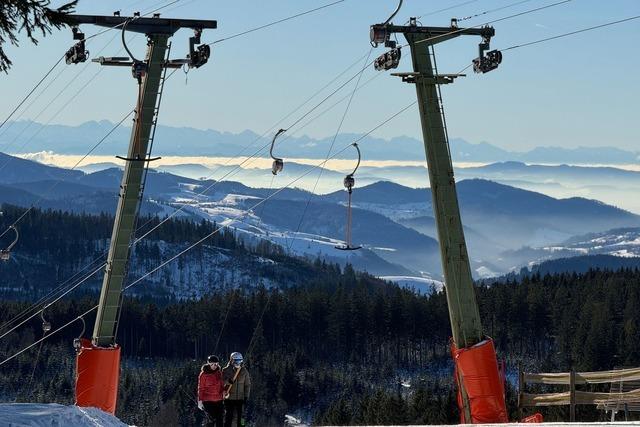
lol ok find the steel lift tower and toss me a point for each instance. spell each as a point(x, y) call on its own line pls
point(98, 359)
point(480, 390)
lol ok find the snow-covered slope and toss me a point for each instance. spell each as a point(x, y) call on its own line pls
point(47, 415)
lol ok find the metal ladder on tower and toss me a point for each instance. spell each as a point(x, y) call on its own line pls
point(432, 54)
point(148, 159)
point(154, 122)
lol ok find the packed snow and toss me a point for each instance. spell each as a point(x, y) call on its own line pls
point(53, 414)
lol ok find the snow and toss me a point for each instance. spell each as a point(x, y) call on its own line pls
point(576, 424)
point(422, 285)
point(53, 414)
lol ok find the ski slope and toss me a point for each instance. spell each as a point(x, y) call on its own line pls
point(53, 414)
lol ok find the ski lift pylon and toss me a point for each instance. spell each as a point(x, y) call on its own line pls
point(349, 183)
point(5, 254)
point(278, 163)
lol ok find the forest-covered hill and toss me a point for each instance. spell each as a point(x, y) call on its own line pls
point(335, 349)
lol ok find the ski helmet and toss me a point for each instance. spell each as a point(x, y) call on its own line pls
point(236, 358)
point(213, 359)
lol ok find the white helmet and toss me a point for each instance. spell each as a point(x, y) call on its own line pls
point(236, 358)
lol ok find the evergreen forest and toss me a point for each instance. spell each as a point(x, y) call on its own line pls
point(336, 347)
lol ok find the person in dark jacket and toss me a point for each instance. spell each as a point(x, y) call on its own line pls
point(237, 389)
point(211, 391)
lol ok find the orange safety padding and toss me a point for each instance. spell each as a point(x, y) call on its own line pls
point(477, 367)
point(97, 376)
point(533, 419)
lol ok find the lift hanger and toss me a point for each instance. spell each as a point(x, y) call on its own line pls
point(5, 254)
point(349, 183)
point(46, 326)
point(278, 163)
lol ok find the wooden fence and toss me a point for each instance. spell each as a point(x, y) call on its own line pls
point(574, 397)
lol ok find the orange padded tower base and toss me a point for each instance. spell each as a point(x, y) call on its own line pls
point(97, 376)
point(477, 367)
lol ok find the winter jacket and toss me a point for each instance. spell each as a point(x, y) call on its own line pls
point(241, 388)
point(210, 384)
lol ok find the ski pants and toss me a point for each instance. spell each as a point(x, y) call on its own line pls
point(233, 407)
point(215, 412)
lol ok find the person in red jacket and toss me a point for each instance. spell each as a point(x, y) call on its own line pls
point(211, 391)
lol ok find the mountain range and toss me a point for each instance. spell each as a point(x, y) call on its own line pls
point(184, 141)
point(394, 223)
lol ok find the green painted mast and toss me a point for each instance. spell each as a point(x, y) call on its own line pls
point(104, 332)
point(464, 315)
point(150, 75)
point(463, 308)
point(461, 299)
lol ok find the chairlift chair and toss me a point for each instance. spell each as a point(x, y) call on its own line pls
point(349, 182)
point(5, 254)
point(278, 163)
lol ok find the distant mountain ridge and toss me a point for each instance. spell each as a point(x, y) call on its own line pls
point(185, 141)
point(394, 223)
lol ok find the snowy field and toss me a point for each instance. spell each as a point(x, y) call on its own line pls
point(47, 415)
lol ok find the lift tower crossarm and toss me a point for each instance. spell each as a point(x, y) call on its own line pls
point(143, 25)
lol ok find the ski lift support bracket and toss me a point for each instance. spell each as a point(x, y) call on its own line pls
point(440, 79)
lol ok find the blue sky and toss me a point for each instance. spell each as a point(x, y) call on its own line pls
point(577, 91)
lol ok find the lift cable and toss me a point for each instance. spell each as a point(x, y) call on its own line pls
point(509, 48)
point(344, 84)
point(446, 9)
point(45, 299)
point(558, 36)
point(33, 101)
point(488, 11)
point(50, 103)
point(55, 184)
point(226, 224)
point(84, 279)
point(58, 63)
point(333, 141)
point(517, 46)
point(252, 156)
point(115, 27)
point(17, 107)
point(207, 188)
point(504, 18)
point(276, 22)
point(138, 239)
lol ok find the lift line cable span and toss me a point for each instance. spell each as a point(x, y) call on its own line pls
point(509, 48)
point(43, 301)
point(202, 192)
point(71, 81)
point(315, 107)
point(488, 11)
point(446, 9)
point(17, 107)
point(222, 226)
point(559, 36)
point(60, 288)
point(288, 18)
point(33, 101)
point(252, 156)
point(24, 99)
point(333, 141)
point(595, 27)
point(54, 185)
